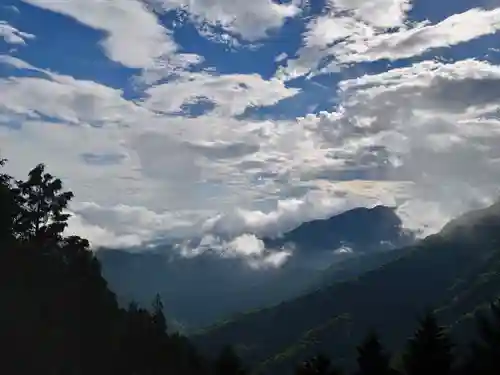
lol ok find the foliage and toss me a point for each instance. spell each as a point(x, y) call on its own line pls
point(317, 365)
point(372, 358)
point(429, 350)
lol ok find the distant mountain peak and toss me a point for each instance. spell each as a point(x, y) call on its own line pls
point(362, 229)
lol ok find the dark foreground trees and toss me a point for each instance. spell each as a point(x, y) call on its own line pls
point(57, 315)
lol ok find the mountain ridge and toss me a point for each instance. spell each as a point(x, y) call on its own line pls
point(139, 276)
point(426, 275)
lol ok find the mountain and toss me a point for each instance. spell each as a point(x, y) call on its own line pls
point(455, 273)
point(361, 229)
point(201, 290)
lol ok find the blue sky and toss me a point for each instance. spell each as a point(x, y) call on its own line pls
point(198, 117)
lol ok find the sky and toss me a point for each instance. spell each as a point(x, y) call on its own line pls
point(234, 119)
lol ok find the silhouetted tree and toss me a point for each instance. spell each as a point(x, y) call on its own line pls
point(317, 365)
point(485, 350)
point(429, 351)
point(42, 204)
point(158, 315)
point(8, 207)
point(372, 358)
point(228, 363)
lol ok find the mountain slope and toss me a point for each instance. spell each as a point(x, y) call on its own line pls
point(227, 286)
point(454, 272)
point(362, 229)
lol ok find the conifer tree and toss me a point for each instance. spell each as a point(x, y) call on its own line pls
point(372, 358)
point(485, 351)
point(317, 365)
point(228, 363)
point(158, 315)
point(8, 207)
point(429, 351)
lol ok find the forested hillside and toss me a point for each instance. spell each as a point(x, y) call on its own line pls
point(454, 273)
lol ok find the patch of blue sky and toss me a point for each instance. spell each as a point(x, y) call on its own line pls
point(242, 58)
point(474, 49)
point(437, 11)
point(313, 97)
point(67, 47)
point(197, 108)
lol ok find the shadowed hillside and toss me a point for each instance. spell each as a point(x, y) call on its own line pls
point(454, 273)
point(228, 286)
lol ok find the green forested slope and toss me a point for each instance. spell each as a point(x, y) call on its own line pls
point(453, 273)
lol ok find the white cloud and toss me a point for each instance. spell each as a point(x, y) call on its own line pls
point(168, 66)
point(134, 36)
point(17, 63)
point(136, 224)
point(424, 137)
point(99, 236)
point(379, 13)
point(245, 246)
point(192, 176)
point(250, 20)
point(438, 121)
point(72, 101)
point(458, 28)
point(347, 39)
point(288, 213)
point(11, 35)
point(231, 93)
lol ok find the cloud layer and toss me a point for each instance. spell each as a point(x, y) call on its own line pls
point(189, 139)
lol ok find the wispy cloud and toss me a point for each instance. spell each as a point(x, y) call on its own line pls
point(346, 39)
point(12, 35)
point(167, 149)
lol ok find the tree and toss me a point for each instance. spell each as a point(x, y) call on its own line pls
point(158, 315)
point(42, 205)
point(9, 208)
point(317, 365)
point(429, 351)
point(228, 363)
point(57, 314)
point(485, 351)
point(372, 358)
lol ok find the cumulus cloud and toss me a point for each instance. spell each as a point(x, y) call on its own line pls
point(445, 141)
point(379, 13)
point(423, 137)
point(249, 20)
point(134, 36)
point(372, 136)
point(231, 93)
point(70, 100)
point(99, 236)
point(11, 35)
point(245, 246)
